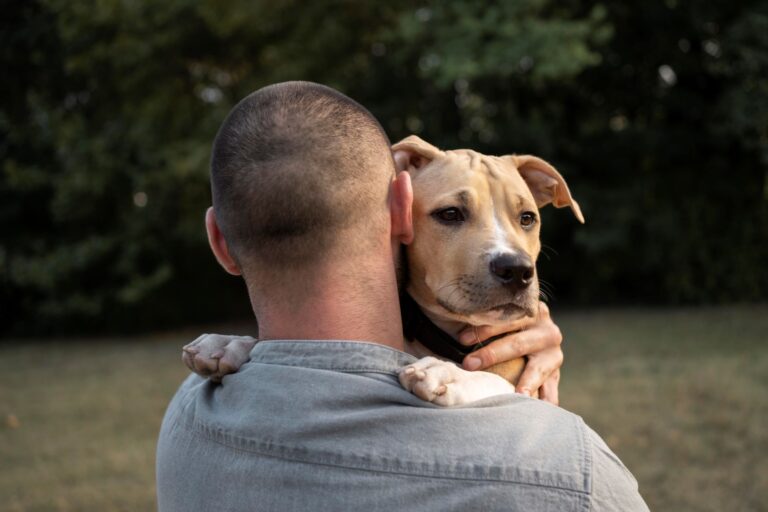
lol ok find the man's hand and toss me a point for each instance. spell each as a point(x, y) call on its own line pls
point(539, 339)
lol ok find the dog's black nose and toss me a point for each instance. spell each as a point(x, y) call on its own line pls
point(513, 269)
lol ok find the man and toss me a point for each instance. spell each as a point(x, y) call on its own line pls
point(308, 209)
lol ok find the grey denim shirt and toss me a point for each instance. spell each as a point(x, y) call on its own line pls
point(325, 425)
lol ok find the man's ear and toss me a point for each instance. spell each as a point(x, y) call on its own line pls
point(400, 208)
point(545, 183)
point(413, 153)
point(219, 245)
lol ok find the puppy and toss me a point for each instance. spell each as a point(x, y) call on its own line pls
point(472, 262)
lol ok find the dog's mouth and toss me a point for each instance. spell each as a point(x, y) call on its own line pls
point(507, 308)
point(510, 310)
point(478, 301)
point(503, 310)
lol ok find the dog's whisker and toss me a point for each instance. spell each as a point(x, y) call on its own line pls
point(451, 285)
point(545, 284)
point(545, 247)
point(455, 290)
point(546, 291)
point(454, 286)
point(452, 282)
point(548, 251)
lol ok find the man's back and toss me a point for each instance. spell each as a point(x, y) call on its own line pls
point(327, 426)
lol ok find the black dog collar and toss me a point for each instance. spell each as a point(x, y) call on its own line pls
point(416, 326)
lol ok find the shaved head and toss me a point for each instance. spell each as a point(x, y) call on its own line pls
point(298, 171)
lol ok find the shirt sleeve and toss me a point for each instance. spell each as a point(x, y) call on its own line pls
point(613, 486)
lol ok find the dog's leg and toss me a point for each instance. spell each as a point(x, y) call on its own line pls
point(444, 383)
point(215, 355)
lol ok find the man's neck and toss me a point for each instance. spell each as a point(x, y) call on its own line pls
point(334, 307)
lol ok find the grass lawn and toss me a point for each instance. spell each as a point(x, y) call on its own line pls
point(681, 396)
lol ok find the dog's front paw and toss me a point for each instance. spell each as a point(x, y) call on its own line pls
point(215, 355)
point(444, 383)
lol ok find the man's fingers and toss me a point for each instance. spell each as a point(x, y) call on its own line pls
point(549, 391)
point(538, 338)
point(476, 333)
point(538, 369)
point(509, 347)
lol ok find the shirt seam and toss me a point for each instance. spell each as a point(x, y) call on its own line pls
point(220, 438)
point(344, 369)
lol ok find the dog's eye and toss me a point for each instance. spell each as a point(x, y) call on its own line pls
point(527, 219)
point(449, 215)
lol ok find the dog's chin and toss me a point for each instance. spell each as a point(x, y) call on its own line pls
point(496, 315)
point(510, 311)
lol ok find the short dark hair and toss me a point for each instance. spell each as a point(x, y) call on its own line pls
point(293, 165)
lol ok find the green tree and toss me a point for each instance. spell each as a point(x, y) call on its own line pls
point(655, 112)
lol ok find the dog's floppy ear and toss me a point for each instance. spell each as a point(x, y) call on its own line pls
point(545, 183)
point(413, 152)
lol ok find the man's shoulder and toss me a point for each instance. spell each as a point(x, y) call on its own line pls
point(358, 418)
point(538, 433)
point(182, 403)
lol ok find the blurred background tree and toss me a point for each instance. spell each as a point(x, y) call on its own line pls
point(656, 113)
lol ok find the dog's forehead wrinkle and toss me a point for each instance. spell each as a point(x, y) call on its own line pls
point(492, 167)
point(507, 198)
point(475, 160)
point(507, 180)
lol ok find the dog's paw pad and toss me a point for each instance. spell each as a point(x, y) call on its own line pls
point(214, 356)
point(443, 383)
point(429, 379)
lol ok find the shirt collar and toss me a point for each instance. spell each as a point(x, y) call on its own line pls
point(342, 355)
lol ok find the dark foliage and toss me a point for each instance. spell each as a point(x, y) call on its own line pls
point(656, 113)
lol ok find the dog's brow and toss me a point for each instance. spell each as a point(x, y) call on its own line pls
point(462, 196)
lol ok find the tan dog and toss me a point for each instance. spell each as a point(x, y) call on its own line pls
point(472, 262)
point(476, 241)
